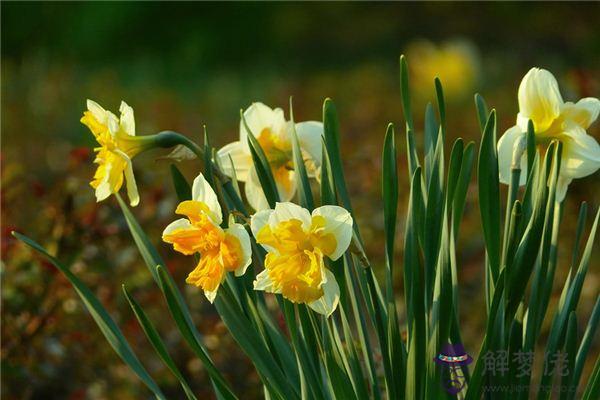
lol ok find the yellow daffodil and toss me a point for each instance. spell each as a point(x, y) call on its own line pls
point(540, 101)
point(274, 134)
point(297, 243)
point(455, 62)
point(221, 250)
point(118, 145)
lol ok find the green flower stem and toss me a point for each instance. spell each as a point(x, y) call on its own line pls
point(167, 139)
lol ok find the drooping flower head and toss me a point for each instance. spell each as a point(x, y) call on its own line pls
point(274, 134)
point(541, 102)
point(118, 145)
point(221, 250)
point(297, 243)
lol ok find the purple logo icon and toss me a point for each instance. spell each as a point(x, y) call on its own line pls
point(451, 359)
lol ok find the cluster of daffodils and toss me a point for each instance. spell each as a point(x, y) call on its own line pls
point(540, 101)
point(298, 242)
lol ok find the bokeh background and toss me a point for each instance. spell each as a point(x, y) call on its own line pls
point(183, 65)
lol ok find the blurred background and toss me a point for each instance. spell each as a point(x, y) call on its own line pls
point(182, 65)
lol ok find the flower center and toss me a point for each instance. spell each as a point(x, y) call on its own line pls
point(296, 266)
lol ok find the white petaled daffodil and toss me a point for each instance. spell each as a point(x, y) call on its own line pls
point(297, 242)
point(541, 102)
point(118, 145)
point(274, 134)
point(221, 250)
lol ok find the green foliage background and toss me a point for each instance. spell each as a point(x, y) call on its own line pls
point(182, 65)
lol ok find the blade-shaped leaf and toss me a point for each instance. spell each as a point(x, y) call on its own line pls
point(107, 325)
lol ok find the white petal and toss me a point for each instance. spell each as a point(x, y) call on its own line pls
point(263, 282)
point(584, 113)
point(211, 295)
point(127, 120)
point(562, 184)
point(254, 192)
point(258, 220)
point(338, 222)
point(242, 160)
point(132, 191)
point(201, 191)
point(260, 117)
point(581, 153)
point(327, 304)
point(97, 111)
point(539, 98)
point(287, 211)
point(181, 223)
point(241, 234)
point(505, 155)
point(103, 191)
point(310, 136)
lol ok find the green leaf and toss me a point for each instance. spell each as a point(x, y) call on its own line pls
point(431, 132)
point(586, 342)
point(482, 111)
point(328, 196)
point(559, 324)
point(177, 305)
point(460, 194)
point(331, 129)
point(262, 166)
point(107, 325)
point(489, 194)
point(566, 383)
point(180, 314)
point(251, 343)
point(405, 92)
point(439, 92)
point(414, 294)
point(182, 187)
point(304, 190)
point(592, 390)
point(156, 341)
point(389, 189)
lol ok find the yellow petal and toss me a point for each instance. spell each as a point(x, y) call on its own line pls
point(208, 275)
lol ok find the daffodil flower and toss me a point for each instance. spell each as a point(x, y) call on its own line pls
point(118, 145)
point(221, 250)
point(541, 102)
point(274, 134)
point(297, 242)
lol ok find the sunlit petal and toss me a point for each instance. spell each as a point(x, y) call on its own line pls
point(201, 191)
point(327, 304)
point(254, 192)
point(239, 232)
point(238, 153)
point(287, 211)
point(127, 120)
point(505, 155)
point(581, 153)
point(539, 98)
point(338, 222)
point(584, 112)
